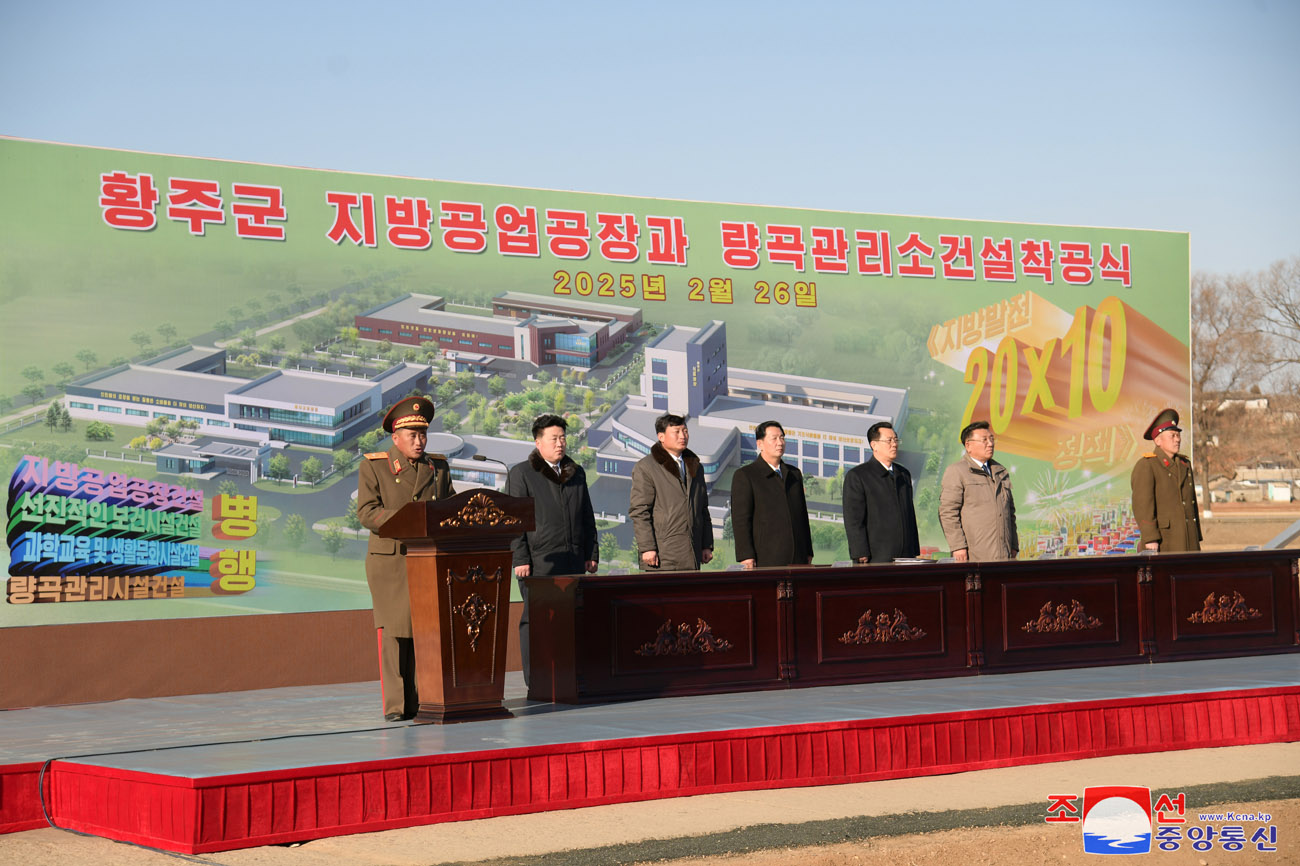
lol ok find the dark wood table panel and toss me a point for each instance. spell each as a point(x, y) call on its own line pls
point(643, 635)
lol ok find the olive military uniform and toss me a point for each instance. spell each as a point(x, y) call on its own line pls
point(1164, 502)
point(386, 481)
point(1164, 492)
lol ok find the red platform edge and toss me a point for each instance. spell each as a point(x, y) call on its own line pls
point(20, 806)
point(195, 816)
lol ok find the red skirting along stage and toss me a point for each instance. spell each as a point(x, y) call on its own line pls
point(304, 784)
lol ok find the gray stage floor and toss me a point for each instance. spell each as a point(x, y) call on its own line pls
point(198, 736)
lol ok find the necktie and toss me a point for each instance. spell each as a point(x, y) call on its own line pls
point(988, 470)
point(681, 469)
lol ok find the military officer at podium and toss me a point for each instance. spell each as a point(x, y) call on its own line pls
point(386, 481)
point(1164, 492)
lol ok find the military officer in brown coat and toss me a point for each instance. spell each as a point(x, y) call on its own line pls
point(670, 502)
point(1164, 492)
point(386, 481)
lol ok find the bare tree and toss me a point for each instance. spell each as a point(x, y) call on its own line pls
point(1223, 361)
point(1245, 339)
point(1274, 297)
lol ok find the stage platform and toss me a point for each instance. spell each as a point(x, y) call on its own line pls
point(208, 773)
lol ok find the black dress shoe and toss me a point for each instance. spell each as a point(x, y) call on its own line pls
point(396, 717)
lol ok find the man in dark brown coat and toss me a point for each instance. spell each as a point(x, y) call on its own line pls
point(1164, 492)
point(670, 502)
point(386, 481)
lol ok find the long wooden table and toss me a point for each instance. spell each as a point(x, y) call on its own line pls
point(635, 636)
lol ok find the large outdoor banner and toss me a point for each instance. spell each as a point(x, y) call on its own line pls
point(197, 354)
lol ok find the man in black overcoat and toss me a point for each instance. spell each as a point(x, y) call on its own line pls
point(769, 515)
point(879, 517)
point(564, 538)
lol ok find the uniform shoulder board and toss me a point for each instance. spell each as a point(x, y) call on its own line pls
point(1149, 454)
point(377, 455)
point(436, 456)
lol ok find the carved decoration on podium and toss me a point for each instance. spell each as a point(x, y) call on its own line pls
point(479, 511)
point(1063, 617)
point(1221, 608)
point(475, 608)
point(474, 574)
point(882, 628)
point(682, 640)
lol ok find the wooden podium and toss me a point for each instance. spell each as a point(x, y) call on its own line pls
point(458, 571)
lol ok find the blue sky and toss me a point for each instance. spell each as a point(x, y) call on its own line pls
point(1162, 115)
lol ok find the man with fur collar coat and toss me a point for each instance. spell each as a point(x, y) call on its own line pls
point(564, 540)
point(670, 503)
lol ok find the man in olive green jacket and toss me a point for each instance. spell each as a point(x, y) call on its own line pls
point(670, 503)
point(386, 481)
point(1164, 492)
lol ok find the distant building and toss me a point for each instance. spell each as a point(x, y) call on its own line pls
point(627, 433)
point(523, 327)
point(281, 406)
point(208, 455)
point(466, 472)
point(686, 372)
point(1269, 469)
point(521, 305)
point(1250, 404)
point(686, 368)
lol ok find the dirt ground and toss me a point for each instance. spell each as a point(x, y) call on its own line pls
point(1032, 845)
point(1234, 529)
point(1022, 846)
point(1236, 525)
